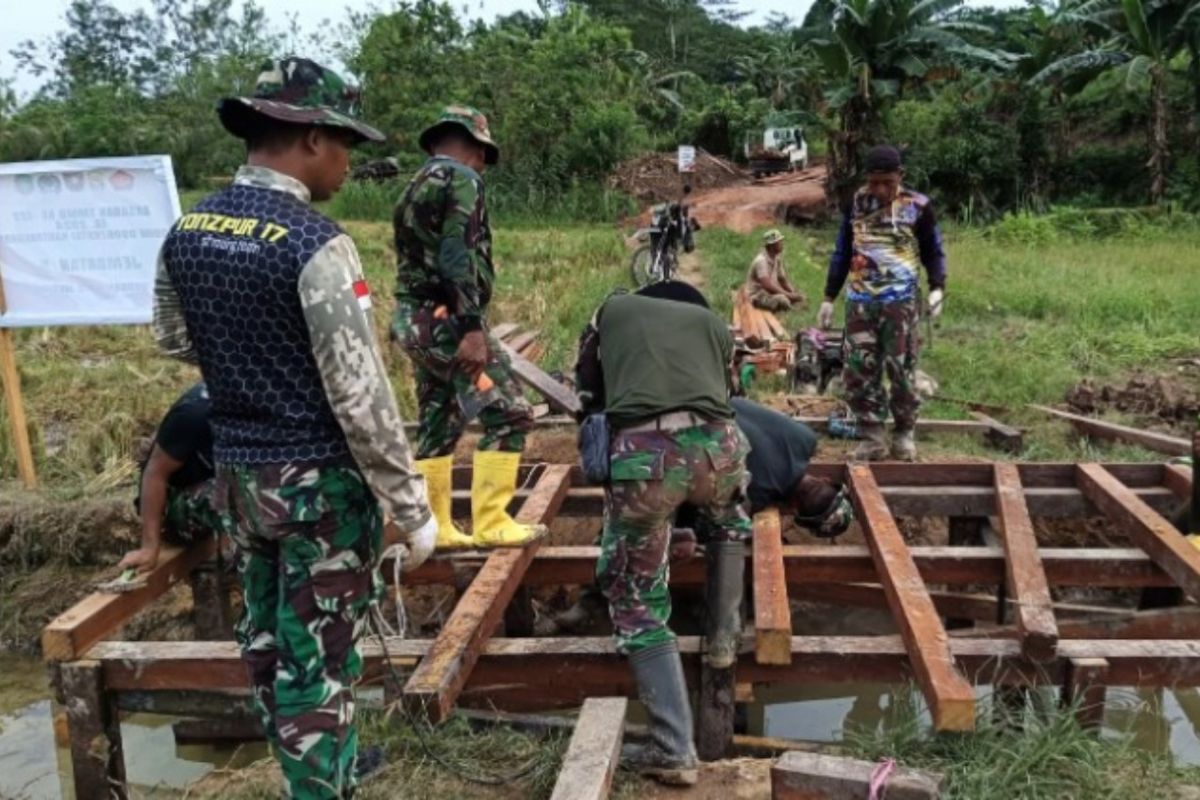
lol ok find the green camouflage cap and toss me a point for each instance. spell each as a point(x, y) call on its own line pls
point(772, 236)
point(300, 92)
point(470, 119)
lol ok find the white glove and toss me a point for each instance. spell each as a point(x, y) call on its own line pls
point(419, 544)
point(935, 303)
point(825, 315)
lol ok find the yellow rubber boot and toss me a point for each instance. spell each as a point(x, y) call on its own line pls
point(1194, 538)
point(438, 486)
point(492, 488)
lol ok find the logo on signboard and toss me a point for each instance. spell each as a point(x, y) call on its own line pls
point(121, 180)
point(49, 183)
point(95, 178)
point(25, 184)
point(74, 181)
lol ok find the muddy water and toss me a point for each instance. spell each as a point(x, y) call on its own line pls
point(34, 767)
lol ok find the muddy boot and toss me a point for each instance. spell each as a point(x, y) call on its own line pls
point(904, 446)
point(670, 754)
point(726, 574)
point(872, 447)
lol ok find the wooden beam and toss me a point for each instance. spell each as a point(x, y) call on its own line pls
point(435, 685)
point(1085, 688)
point(504, 330)
point(1026, 579)
point(1158, 442)
point(1154, 534)
point(71, 633)
point(591, 759)
point(833, 564)
point(817, 776)
point(1180, 622)
point(1179, 480)
point(950, 697)
point(560, 397)
point(521, 341)
point(1001, 436)
point(772, 614)
point(97, 761)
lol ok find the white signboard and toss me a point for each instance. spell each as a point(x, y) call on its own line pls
point(79, 239)
point(687, 158)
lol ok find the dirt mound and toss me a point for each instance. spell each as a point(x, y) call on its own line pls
point(654, 177)
point(796, 198)
point(1174, 399)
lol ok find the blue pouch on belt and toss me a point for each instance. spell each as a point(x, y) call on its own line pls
point(593, 448)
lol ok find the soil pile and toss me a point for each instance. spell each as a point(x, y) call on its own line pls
point(654, 177)
point(1169, 398)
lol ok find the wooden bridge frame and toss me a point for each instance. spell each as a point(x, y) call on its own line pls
point(469, 664)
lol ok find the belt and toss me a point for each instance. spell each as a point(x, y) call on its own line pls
point(671, 421)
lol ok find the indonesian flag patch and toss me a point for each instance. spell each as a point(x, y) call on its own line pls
point(363, 293)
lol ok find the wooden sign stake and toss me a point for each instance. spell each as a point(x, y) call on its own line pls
point(14, 401)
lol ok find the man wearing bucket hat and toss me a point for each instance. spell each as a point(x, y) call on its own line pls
point(268, 297)
point(887, 235)
point(443, 287)
point(767, 285)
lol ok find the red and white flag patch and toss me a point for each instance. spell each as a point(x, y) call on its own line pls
point(363, 293)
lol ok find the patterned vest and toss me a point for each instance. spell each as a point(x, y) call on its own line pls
point(235, 262)
point(886, 263)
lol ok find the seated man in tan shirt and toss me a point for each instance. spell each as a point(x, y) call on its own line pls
point(767, 285)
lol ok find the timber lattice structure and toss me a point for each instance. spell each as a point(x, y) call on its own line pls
point(1029, 640)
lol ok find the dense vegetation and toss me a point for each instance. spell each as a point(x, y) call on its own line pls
point(1088, 102)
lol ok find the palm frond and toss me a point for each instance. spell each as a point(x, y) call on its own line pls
point(1087, 62)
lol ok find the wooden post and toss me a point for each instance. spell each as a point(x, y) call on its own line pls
point(715, 708)
point(591, 759)
point(1026, 577)
point(435, 685)
point(950, 697)
point(13, 400)
point(1085, 684)
point(97, 761)
point(211, 611)
point(772, 615)
point(1154, 534)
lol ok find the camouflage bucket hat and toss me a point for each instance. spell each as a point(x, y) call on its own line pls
point(300, 92)
point(772, 236)
point(470, 119)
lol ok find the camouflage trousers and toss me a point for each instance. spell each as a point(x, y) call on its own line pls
point(191, 514)
point(431, 344)
point(653, 473)
point(882, 337)
point(760, 298)
point(308, 540)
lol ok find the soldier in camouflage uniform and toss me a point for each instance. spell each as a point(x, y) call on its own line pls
point(443, 288)
point(175, 493)
point(658, 364)
point(268, 297)
point(887, 234)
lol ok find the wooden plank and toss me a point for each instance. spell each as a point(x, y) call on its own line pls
point(834, 564)
point(522, 341)
point(71, 633)
point(97, 761)
point(435, 685)
point(1001, 436)
point(1085, 688)
point(1179, 480)
point(772, 614)
point(1026, 579)
point(591, 759)
point(15, 403)
point(504, 330)
point(950, 697)
point(557, 672)
point(1158, 442)
point(1181, 622)
point(817, 776)
point(560, 397)
point(1154, 534)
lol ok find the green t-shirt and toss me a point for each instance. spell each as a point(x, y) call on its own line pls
point(660, 356)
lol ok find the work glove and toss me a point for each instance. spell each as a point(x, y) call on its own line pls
point(825, 315)
point(416, 545)
point(935, 303)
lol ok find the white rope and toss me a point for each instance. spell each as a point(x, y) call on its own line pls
point(397, 552)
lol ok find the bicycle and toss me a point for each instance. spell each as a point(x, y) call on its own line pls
point(658, 259)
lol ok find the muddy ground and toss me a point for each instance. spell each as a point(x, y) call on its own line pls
point(1168, 402)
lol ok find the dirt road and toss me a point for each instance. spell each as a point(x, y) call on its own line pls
point(770, 201)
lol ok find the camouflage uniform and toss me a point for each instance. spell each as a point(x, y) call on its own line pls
point(881, 250)
point(192, 514)
point(443, 287)
point(653, 473)
point(268, 297)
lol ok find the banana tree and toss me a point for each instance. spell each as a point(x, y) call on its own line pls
point(1143, 37)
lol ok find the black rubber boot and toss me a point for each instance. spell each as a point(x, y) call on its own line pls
point(670, 755)
point(726, 583)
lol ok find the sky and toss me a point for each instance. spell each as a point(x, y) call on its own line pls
point(40, 19)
